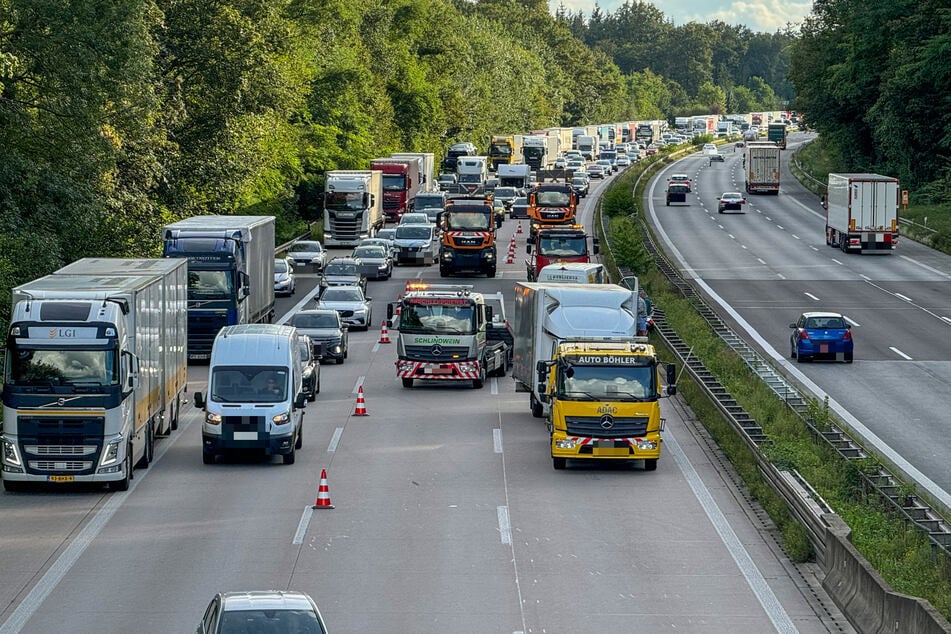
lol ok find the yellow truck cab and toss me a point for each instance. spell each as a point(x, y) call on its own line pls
point(604, 396)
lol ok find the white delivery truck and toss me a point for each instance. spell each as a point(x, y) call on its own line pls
point(761, 162)
point(427, 178)
point(255, 398)
point(95, 370)
point(518, 175)
point(546, 313)
point(573, 273)
point(862, 213)
point(588, 146)
point(473, 171)
point(353, 206)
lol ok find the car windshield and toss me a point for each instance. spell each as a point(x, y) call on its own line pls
point(732, 196)
point(339, 268)
point(521, 200)
point(409, 232)
point(369, 252)
point(628, 383)
point(307, 247)
point(248, 384)
point(414, 219)
point(505, 192)
point(342, 295)
point(315, 320)
point(448, 315)
point(303, 621)
point(820, 323)
point(386, 234)
point(280, 266)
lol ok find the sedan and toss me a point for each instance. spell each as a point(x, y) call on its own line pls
point(308, 253)
point(561, 163)
point(818, 335)
point(344, 272)
point(731, 201)
point(581, 185)
point(328, 334)
point(310, 369)
point(716, 156)
point(606, 165)
point(595, 171)
point(519, 208)
point(415, 218)
point(261, 611)
point(575, 164)
point(284, 280)
point(354, 307)
point(376, 261)
point(622, 161)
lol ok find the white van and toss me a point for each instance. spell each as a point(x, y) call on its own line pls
point(255, 394)
point(573, 273)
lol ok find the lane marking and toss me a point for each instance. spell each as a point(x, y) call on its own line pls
point(497, 440)
point(865, 277)
point(335, 440)
point(947, 319)
point(761, 261)
point(837, 262)
point(375, 348)
point(795, 236)
point(926, 267)
point(732, 237)
point(743, 246)
point(780, 227)
point(899, 353)
point(302, 525)
point(754, 578)
point(781, 276)
point(900, 296)
point(505, 529)
point(494, 385)
point(811, 296)
point(359, 383)
point(851, 321)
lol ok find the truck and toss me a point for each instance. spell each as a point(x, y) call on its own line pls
point(646, 133)
point(230, 273)
point(575, 133)
point(588, 146)
point(95, 371)
point(862, 213)
point(353, 206)
point(704, 124)
point(603, 395)
point(442, 336)
point(546, 313)
point(473, 171)
point(776, 133)
point(518, 175)
point(564, 139)
point(761, 164)
point(725, 128)
point(573, 273)
point(427, 177)
point(400, 184)
point(682, 125)
point(505, 150)
point(540, 151)
point(552, 204)
point(550, 245)
point(468, 236)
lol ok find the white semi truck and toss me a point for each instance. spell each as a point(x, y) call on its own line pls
point(540, 151)
point(473, 171)
point(862, 213)
point(353, 206)
point(761, 162)
point(95, 370)
point(518, 175)
point(546, 313)
point(427, 178)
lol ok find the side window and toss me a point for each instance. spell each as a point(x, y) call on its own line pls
point(211, 615)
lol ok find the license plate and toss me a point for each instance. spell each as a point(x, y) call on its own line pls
point(245, 435)
point(438, 370)
point(61, 478)
point(606, 444)
point(823, 347)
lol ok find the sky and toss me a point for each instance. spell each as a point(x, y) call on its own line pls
point(758, 15)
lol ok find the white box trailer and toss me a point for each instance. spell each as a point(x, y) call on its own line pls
point(546, 313)
point(862, 213)
point(427, 178)
point(761, 162)
point(97, 363)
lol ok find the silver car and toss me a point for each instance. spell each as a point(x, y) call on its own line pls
point(284, 281)
point(261, 611)
point(415, 244)
point(355, 308)
point(344, 272)
point(308, 253)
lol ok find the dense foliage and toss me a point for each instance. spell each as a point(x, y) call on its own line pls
point(874, 79)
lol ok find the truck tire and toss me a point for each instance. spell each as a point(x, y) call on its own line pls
point(443, 271)
point(15, 486)
point(123, 484)
point(149, 447)
point(490, 273)
point(407, 382)
point(537, 410)
point(558, 463)
point(650, 464)
point(479, 382)
point(290, 458)
point(176, 410)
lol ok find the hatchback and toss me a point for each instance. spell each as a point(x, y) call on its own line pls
point(821, 335)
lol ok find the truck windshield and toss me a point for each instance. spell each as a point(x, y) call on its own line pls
point(608, 383)
point(552, 199)
point(470, 178)
point(479, 221)
point(563, 246)
point(432, 315)
point(345, 201)
point(533, 152)
point(394, 182)
point(499, 149)
point(35, 367)
point(248, 384)
point(209, 285)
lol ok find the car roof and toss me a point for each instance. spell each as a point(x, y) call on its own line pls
point(318, 311)
point(266, 600)
point(821, 314)
point(731, 195)
point(344, 287)
point(309, 243)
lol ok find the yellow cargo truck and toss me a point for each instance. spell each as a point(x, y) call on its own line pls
point(604, 398)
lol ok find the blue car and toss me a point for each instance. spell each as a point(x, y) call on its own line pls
point(821, 335)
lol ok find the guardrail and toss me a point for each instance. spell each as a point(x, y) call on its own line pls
point(868, 602)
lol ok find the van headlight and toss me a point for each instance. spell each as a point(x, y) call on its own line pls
point(212, 419)
point(281, 419)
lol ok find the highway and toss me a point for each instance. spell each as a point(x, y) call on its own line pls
point(448, 515)
point(767, 265)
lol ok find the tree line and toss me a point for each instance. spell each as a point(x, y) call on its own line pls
point(120, 116)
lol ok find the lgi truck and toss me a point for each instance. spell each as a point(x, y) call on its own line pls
point(862, 213)
point(761, 162)
point(230, 273)
point(353, 206)
point(95, 370)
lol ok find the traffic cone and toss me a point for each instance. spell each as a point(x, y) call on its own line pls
point(384, 334)
point(361, 408)
point(323, 493)
point(518, 229)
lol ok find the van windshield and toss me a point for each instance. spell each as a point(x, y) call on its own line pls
point(248, 384)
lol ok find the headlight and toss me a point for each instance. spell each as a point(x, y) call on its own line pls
point(212, 418)
point(11, 456)
point(643, 443)
point(566, 443)
point(281, 419)
point(381, 267)
point(111, 453)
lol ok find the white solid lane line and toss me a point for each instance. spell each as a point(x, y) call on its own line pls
point(899, 353)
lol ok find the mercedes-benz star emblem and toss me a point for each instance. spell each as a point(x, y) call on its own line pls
point(607, 421)
point(437, 350)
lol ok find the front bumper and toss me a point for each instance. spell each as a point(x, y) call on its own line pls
point(456, 371)
point(271, 444)
point(645, 447)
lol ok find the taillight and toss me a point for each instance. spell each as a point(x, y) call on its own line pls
point(848, 335)
point(803, 334)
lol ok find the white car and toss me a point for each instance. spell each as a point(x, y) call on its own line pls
point(284, 281)
point(606, 165)
point(415, 218)
point(622, 161)
point(355, 308)
point(308, 253)
point(560, 163)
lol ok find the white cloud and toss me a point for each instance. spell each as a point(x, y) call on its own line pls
point(759, 15)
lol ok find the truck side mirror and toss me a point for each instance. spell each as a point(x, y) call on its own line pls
point(542, 395)
point(671, 379)
point(389, 311)
point(245, 284)
point(597, 246)
point(488, 314)
point(528, 248)
point(199, 400)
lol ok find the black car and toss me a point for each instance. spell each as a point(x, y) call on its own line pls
point(519, 208)
point(677, 193)
point(310, 369)
point(328, 334)
point(581, 185)
point(343, 271)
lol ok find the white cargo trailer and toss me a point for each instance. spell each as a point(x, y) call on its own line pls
point(862, 213)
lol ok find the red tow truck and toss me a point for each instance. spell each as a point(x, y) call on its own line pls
point(551, 245)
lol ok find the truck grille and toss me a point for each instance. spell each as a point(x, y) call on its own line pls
point(593, 426)
point(49, 466)
point(347, 229)
point(447, 353)
point(60, 450)
point(60, 444)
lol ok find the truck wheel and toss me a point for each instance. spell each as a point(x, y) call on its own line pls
point(443, 271)
point(149, 447)
point(407, 382)
point(491, 272)
point(537, 410)
point(668, 203)
point(290, 458)
point(176, 410)
point(558, 463)
point(479, 382)
point(15, 486)
point(123, 484)
point(650, 464)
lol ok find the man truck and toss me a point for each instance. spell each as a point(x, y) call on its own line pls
point(862, 213)
point(230, 273)
point(353, 206)
point(552, 204)
point(761, 162)
point(468, 237)
point(95, 370)
point(442, 336)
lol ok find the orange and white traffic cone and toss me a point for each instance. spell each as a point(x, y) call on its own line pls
point(384, 334)
point(518, 229)
point(323, 493)
point(361, 408)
